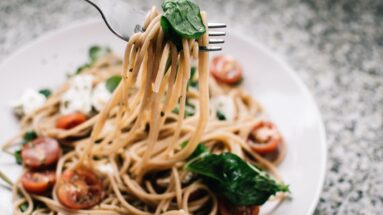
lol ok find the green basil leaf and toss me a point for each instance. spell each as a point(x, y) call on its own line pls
point(24, 207)
point(37, 204)
point(235, 180)
point(176, 109)
point(193, 71)
point(82, 67)
point(113, 82)
point(184, 143)
point(193, 82)
point(181, 19)
point(201, 150)
point(170, 33)
point(96, 52)
point(189, 110)
point(18, 158)
point(29, 136)
point(220, 116)
point(46, 92)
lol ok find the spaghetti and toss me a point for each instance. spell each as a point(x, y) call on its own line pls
point(138, 144)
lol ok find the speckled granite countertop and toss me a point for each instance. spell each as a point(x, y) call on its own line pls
point(335, 46)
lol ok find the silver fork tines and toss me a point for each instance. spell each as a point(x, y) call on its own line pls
point(216, 41)
point(210, 48)
point(216, 25)
point(215, 34)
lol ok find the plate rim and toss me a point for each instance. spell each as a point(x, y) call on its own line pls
point(254, 42)
point(306, 92)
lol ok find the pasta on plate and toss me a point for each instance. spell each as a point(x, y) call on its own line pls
point(158, 132)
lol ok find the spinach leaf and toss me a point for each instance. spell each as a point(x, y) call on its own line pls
point(235, 180)
point(113, 82)
point(24, 207)
point(18, 158)
point(181, 19)
point(201, 150)
point(96, 52)
point(82, 67)
point(220, 116)
point(193, 82)
point(184, 143)
point(29, 136)
point(189, 110)
point(37, 204)
point(46, 92)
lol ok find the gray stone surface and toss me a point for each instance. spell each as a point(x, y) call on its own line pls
point(336, 47)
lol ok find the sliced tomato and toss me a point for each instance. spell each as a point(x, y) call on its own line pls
point(80, 188)
point(226, 69)
point(71, 120)
point(40, 153)
point(227, 209)
point(38, 182)
point(265, 138)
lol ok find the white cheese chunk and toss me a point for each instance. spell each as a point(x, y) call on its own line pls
point(78, 97)
point(105, 168)
point(100, 96)
point(225, 105)
point(30, 101)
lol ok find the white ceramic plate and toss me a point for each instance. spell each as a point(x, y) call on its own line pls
point(45, 63)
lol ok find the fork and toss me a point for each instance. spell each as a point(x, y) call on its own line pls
point(124, 20)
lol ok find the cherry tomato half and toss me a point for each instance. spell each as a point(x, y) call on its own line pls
point(41, 152)
point(79, 188)
point(226, 69)
point(38, 182)
point(266, 136)
point(70, 121)
point(227, 209)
